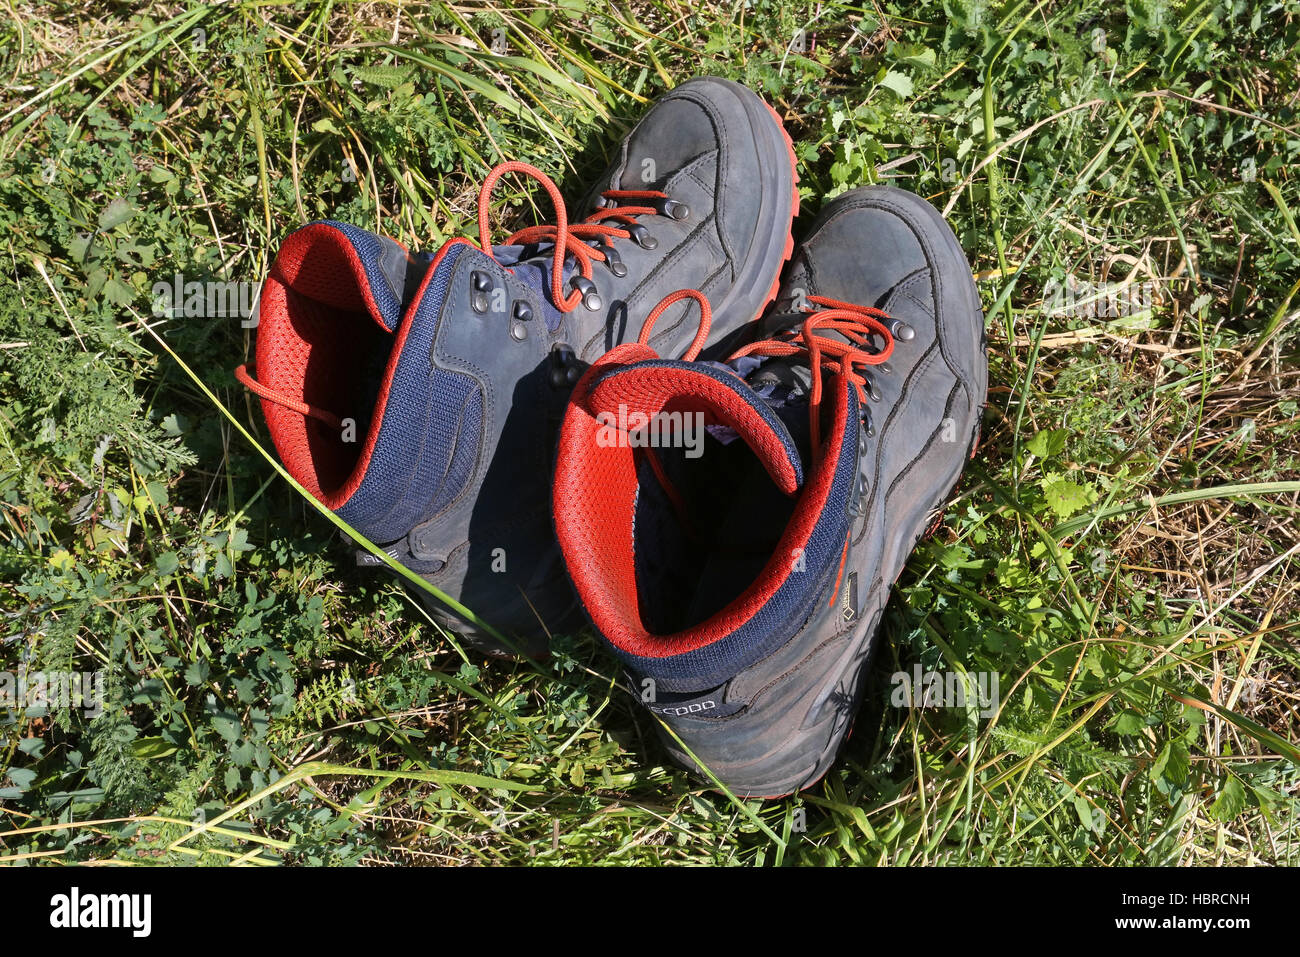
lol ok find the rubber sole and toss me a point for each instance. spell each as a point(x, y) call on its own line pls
point(788, 251)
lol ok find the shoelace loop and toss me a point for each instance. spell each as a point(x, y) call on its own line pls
point(846, 357)
point(692, 351)
point(701, 335)
point(568, 239)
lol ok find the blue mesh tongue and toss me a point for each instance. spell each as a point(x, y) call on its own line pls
point(658, 400)
point(427, 437)
point(783, 388)
point(532, 266)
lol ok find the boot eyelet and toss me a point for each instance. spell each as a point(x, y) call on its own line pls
point(674, 209)
point(901, 330)
point(641, 236)
point(590, 295)
point(480, 286)
point(518, 331)
point(564, 368)
point(523, 311)
point(614, 261)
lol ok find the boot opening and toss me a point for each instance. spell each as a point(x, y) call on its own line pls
point(702, 537)
point(672, 549)
point(321, 341)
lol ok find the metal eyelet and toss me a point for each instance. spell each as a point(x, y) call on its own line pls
point(641, 236)
point(522, 314)
point(872, 392)
point(564, 371)
point(901, 330)
point(673, 208)
point(481, 285)
point(590, 295)
point(857, 495)
point(614, 261)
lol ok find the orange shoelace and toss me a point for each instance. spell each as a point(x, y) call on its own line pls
point(568, 239)
point(701, 335)
point(302, 408)
point(846, 357)
point(692, 351)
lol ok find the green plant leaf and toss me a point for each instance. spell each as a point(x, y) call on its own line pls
point(1065, 497)
point(1231, 800)
point(1129, 722)
point(900, 83)
point(1047, 443)
point(150, 749)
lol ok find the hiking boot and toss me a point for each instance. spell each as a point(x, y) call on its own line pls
point(741, 577)
point(418, 395)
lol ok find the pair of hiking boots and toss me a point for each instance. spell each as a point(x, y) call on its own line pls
point(633, 419)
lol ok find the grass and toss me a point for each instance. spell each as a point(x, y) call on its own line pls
point(1122, 554)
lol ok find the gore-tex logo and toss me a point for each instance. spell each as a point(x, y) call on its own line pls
point(849, 597)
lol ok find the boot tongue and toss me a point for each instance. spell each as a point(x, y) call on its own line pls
point(532, 265)
point(669, 401)
point(779, 381)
